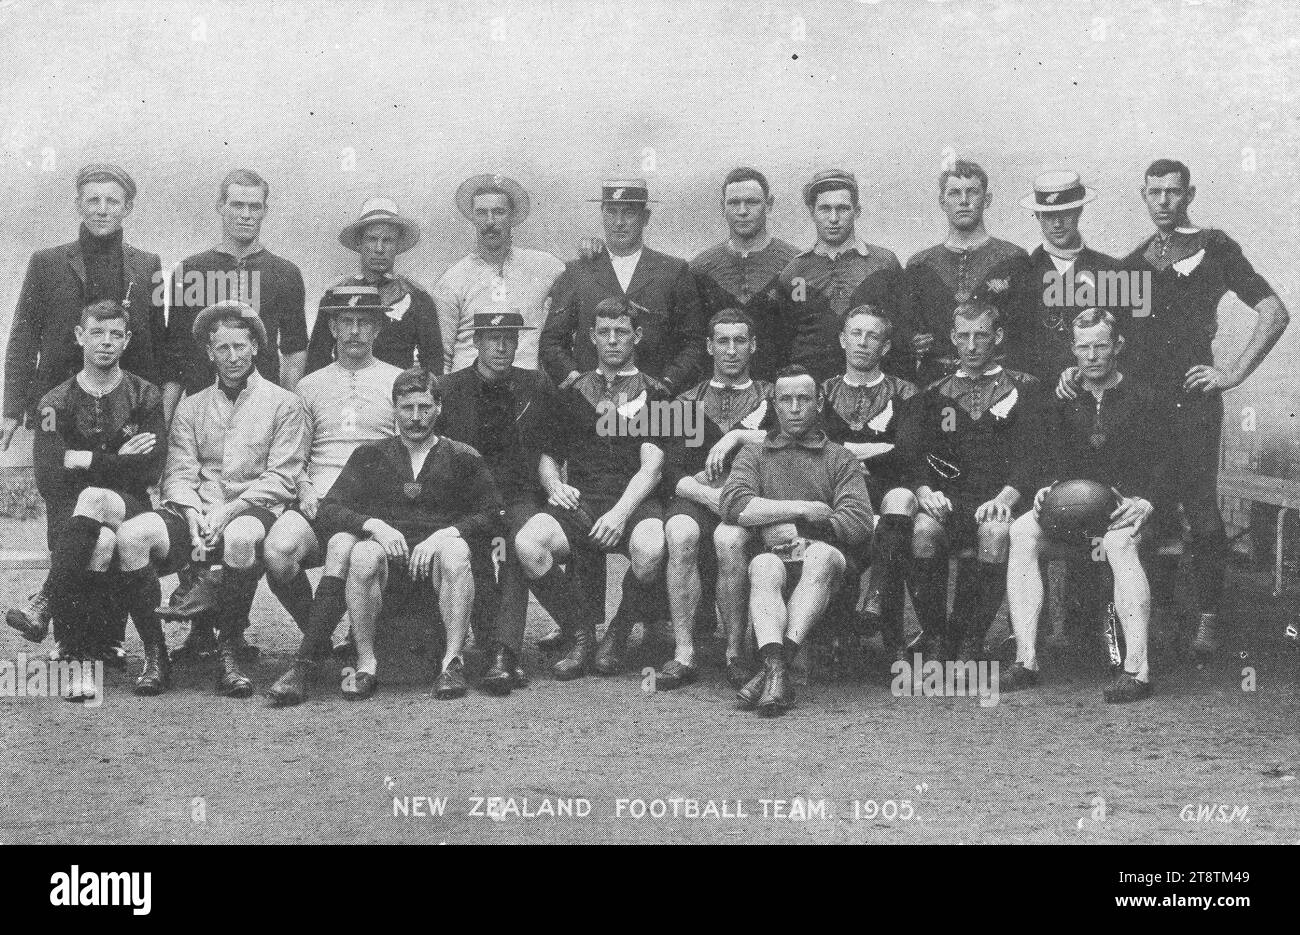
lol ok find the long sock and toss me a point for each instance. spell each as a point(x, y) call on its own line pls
point(1164, 576)
point(73, 547)
point(1209, 567)
point(965, 601)
point(991, 578)
point(115, 610)
point(296, 597)
point(891, 552)
point(561, 596)
point(790, 650)
point(930, 594)
point(102, 606)
point(327, 609)
point(142, 594)
point(241, 589)
point(640, 600)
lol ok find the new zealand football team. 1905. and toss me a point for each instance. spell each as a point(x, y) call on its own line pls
point(442, 454)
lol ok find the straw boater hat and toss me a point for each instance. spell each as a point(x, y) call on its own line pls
point(203, 320)
point(377, 210)
point(1058, 191)
point(495, 321)
point(354, 297)
point(625, 192)
point(518, 197)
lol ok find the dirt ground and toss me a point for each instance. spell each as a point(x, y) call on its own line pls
point(1054, 764)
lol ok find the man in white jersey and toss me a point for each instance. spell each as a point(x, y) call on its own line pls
point(348, 403)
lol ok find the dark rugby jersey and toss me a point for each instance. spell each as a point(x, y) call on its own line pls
point(1043, 342)
point(601, 463)
point(817, 290)
point(984, 427)
point(723, 408)
point(939, 278)
point(1190, 273)
point(410, 334)
point(70, 419)
point(280, 300)
point(1121, 440)
point(747, 281)
point(509, 423)
point(869, 413)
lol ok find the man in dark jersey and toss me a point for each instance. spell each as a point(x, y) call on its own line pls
point(840, 271)
point(962, 444)
point(101, 443)
point(740, 273)
point(1114, 433)
point(733, 407)
point(940, 278)
point(863, 409)
point(507, 414)
point(1191, 269)
point(411, 334)
point(607, 503)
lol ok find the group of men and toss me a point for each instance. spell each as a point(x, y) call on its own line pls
point(446, 453)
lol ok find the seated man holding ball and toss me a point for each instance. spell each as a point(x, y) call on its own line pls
point(1101, 456)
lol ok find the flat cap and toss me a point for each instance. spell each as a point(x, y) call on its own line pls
point(107, 172)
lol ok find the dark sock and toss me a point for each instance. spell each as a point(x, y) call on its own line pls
point(771, 651)
point(327, 609)
point(640, 601)
point(240, 590)
point(991, 578)
point(561, 597)
point(296, 597)
point(1208, 566)
point(142, 594)
point(65, 584)
point(101, 608)
point(965, 600)
point(1163, 579)
point(791, 649)
point(929, 580)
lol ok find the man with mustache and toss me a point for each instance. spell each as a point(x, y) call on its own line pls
point(415, 502)
point(499, 276)
point(411, 333)
point(940, 278)
point(840, 272)
point(1191, 270)
point(348, 403)
point(235, 452)
point(43, 352)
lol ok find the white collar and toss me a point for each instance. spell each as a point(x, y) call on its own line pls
point(857, 244)
point(739, 386)
point(629, 260)
point(991, 372)
point(880, 378)
point(767, 241)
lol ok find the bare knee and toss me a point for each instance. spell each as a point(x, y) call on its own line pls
point(367, 561)
point(766, 572)
point(900, 502)
point(105, 546)
point(928, 537)
point(645, 549)
point(683, 535)
point(453, 556)
point(730, 543)
point(994, 538)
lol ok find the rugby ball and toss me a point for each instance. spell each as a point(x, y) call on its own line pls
point(1076, 511)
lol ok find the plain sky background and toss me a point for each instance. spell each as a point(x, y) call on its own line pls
point(561, 94)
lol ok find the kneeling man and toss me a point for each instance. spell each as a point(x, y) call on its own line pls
point(413, 501)
point(1114, 433)
point(809, 496)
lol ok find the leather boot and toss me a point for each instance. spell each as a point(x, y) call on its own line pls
point(776, 695)
point(200, 643)
point(578, 659)
point(230, 681)
point(613, 645)
point(500, 677)
point(291, 688)
point(751, 691)
point(156, 677)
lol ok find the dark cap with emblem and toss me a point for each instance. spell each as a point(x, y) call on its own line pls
point(624, 192)
point(829, 180)
point(107, 172)
point(1058, 191)
point(495, 321)
point(350, 297)
point(231, 308)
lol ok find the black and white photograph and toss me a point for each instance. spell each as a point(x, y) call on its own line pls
point(700, 422)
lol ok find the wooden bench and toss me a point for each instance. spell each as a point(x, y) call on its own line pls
point(1283, 494)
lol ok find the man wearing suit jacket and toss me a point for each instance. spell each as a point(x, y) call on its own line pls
point(661, 287)
point(61, 281)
